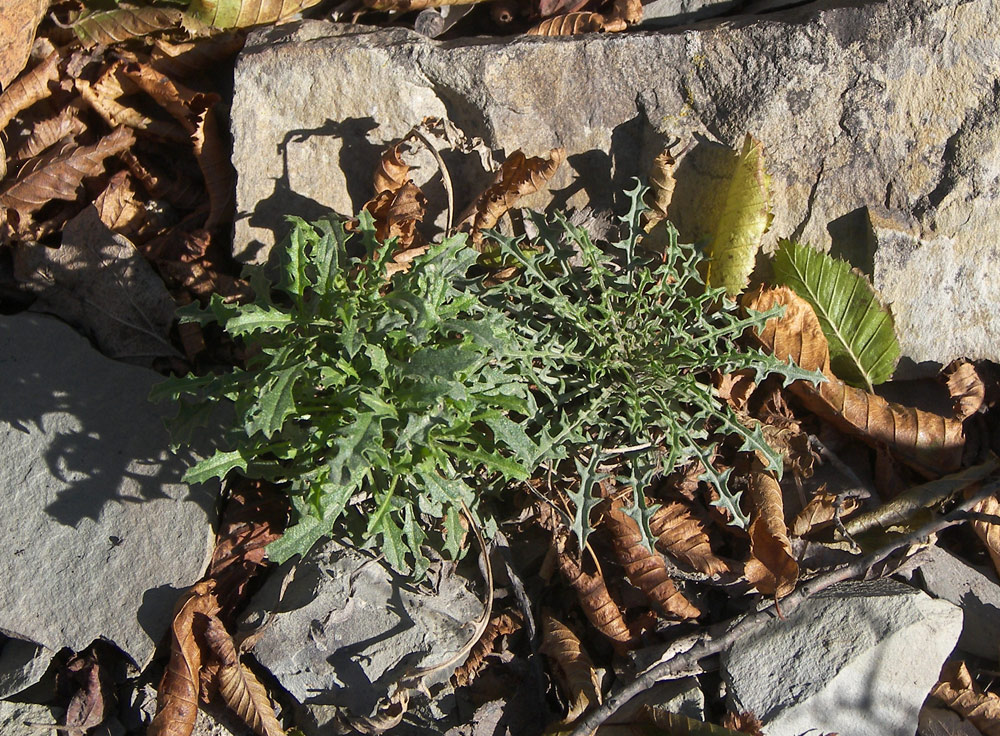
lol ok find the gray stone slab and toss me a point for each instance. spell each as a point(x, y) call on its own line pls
point(857, 659)
point(100, 535)
point(345, 628)
point(946, 576)
point(22, 664)
point(27, 719)
point(889, 107)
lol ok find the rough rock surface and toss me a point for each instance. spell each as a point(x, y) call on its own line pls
point(946, 576)
point(345, 629)
point(22, 664)
point(857, 659)
point(100, 536)
point(18, 719)
point(876, 113)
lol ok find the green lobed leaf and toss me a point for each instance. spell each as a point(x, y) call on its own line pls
point(217, 465)
point(858, 327)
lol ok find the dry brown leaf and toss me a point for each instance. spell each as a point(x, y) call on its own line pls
point(629, 11)
point(927, 442)
point(106, 104)
point(576, 671)
point(397, 214)
point(49, 131)
point(772, 568)
point(177, 696)
point(94, 698)
point(987, 531)
point(570, 24)
point(182, 103)
point(518, 177)
point(500, 625)
point(118, 24)
point(18, 21)
point(238, 686)
point(62, 176)
point(213, 159)
point(966, 388)
point(551, 7)
point(787, 437)
point(119, 208)
point(645, 570)
point(194, 57)
point(820, 511)
point(176, 187)
point(735, 388)
point(684, 536)
point(29, 88)
point(957, 690)
point(391, 174)
point(595, 600)
point(253, 518)
point(746, 722)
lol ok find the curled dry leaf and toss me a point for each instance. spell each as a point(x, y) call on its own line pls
point(228, 14)
point(570, 24)
point(194, 57)
point(118, 24)
point(397, 214)
point(177, 187)
point(49, 131)
point(29, 89)
point(177, 696)
point(684, 536)
point(788, 439)
point(820, 511)
point(957, 690)
point(735, 388)
point(405, 6)
point(392, 173)
point(661, 186)
point(500, 625)
point(238, 686)
point(518, 177)
point(966, 388)
point(772, 568)
point(213, 160)
point(62, 176)
point(595, 600)
point(119, 208)
point(988, 531)
point(172, 96)
point(927, 442)
point(576, 671)
point(745, 722)
point(645, 570)
point(629, 11)
point(677, 724)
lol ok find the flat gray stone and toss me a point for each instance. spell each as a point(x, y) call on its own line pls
point(24, 719)
point(345, 628)
point(888, 107)
point(857, 659)
point(945, 576)
point(22, 664)
point(100, 535)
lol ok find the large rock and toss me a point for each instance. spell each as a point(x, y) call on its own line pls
point(876, 116)
point(99, 534)
point(857, 659)
point(22, 664)
point(343, 629)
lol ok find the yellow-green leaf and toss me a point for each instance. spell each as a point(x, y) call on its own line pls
point(745, 218)
point(225, 14)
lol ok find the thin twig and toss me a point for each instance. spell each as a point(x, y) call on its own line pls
point(445, 177)
point(861, 489)
point(723, 635)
